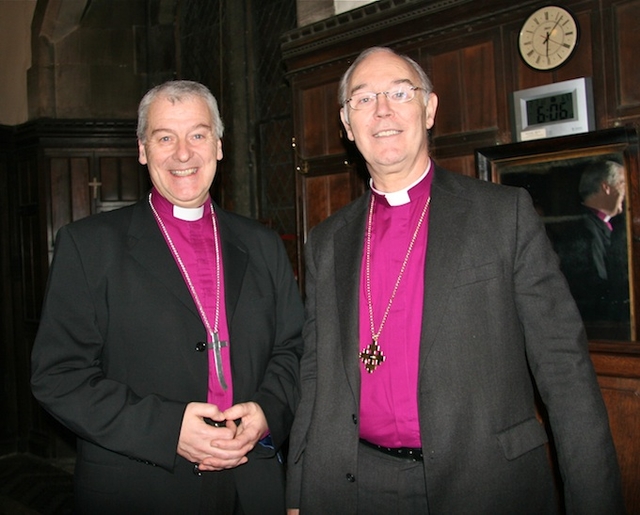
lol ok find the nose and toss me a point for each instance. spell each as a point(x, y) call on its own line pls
point(383, 105)
point(183, 150)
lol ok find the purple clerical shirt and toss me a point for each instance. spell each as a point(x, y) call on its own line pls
point(388, 396)
point(194, 241)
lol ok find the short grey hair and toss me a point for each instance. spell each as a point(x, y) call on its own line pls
point(177, 91)
point(424, 81)
point(595, 174)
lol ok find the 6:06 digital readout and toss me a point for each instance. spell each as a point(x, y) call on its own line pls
point(548, 109)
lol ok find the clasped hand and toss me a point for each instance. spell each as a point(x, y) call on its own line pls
point(218, 448)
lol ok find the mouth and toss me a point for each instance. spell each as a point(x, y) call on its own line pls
point(183, 173)
point(384, 134)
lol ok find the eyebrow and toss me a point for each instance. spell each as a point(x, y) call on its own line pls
point(194, 128)
point(393, 83)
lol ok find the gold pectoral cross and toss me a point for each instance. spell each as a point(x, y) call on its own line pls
point(372, 356)
point(216, 345)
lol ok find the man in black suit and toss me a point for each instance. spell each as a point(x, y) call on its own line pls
point(593, 249)
point(170, 335)
point(434, 303)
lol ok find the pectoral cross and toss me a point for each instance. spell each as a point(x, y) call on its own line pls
point(216, 345)
point(372, 356)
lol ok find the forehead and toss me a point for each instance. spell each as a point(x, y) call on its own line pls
point(381, 69)
point(166, 110)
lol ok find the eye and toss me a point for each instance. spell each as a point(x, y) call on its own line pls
point(364, 99)
point(399, 95)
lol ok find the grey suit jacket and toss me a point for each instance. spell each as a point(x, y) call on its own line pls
point(115, 357)
point(497, 313)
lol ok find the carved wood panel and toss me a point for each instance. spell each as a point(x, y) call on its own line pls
point(621, 69)
point(619, 379)
point(465, 83)
point(319, 123)
point(87, 182)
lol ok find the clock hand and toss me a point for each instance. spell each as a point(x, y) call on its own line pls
point(546, 42)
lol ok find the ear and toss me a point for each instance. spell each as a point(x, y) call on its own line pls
point(142, 154)
point(219, 150)
point(346, 124)
point(430, 110)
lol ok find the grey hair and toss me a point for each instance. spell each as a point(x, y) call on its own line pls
point(424, 81)
point(177, 91)
point(595, 174)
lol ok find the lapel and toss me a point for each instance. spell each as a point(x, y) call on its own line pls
point(235, 258)
point(348, 243)
point(147, 246)
point(447, 228)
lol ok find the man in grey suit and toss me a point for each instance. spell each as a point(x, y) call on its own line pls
point(435, 308)
point(170, 335)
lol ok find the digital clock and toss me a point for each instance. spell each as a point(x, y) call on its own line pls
point(552, 110)
point(548, 109)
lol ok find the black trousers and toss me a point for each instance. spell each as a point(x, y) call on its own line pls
point(388, 485)
point(219, 494)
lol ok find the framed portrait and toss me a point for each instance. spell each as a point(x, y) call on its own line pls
point(598, 248)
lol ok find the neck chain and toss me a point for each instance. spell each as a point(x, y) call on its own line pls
point(215, 344)
point(372, 355)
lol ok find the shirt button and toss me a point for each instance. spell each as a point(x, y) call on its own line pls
point(355, 419)
point(351, 478)
point(201, 346)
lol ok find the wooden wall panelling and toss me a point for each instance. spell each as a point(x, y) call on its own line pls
point(319, 121)
point(30, 273)
point(621, 70)
point(330, 184)
point(465, 81)
point(123, 179)
point(68, 177)
point(81, 183)
point(618, 369)
point(326, 179)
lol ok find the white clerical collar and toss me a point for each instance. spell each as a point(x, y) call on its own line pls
point(189, 214)
point(401, 197)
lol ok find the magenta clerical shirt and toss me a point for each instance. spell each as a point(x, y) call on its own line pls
point(191, 231)
point(388, 396)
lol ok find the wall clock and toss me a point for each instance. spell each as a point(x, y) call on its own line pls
point(548, 38)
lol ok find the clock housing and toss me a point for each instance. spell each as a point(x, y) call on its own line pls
point(548, 38)
point(557, 109)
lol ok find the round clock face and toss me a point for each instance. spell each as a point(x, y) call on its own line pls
point(548, 38)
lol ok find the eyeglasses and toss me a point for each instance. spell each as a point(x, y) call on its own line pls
point(367, 99)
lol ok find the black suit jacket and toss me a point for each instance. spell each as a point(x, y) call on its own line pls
point(497, 313)
point(594, 260)
point(115, 361)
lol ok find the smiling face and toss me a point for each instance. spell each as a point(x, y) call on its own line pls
point(181, 149)
point(391, 137)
